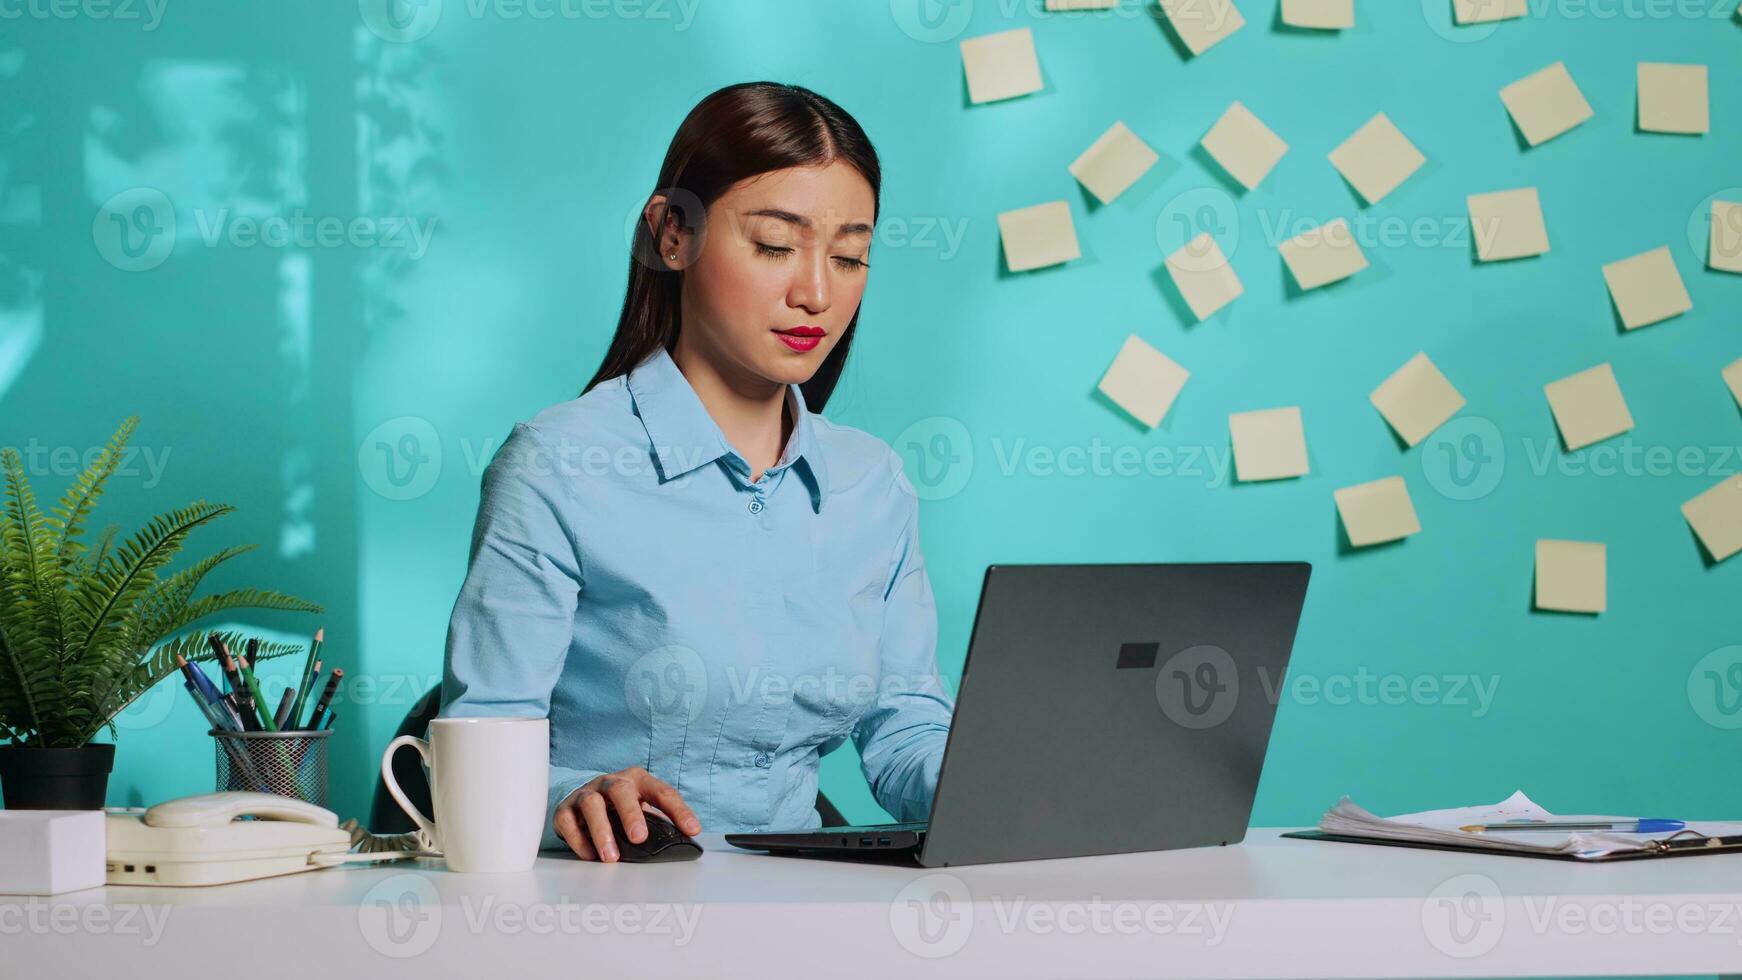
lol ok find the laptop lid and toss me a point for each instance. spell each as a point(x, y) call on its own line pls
point(1113, 708)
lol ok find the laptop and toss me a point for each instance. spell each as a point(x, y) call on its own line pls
point(1103, 709)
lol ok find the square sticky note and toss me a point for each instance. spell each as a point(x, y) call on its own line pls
point(1507, 224)
point(1647, 288)
point(1113, 162)
point(1376, 159)
point(1724, 253)
point(1202, 24)
point(1733, 378)
point(1376, 512)
point(1269, 444)
point(1038, 236)
point(1143, 381)
point(1204, 276)
point(1323, 255)
point(1243, 146)
point(1416, 399)
point(1545, 104)
point(1001, 65)
point(1572, 576)
point(1323, 15)
point(1672, 98)
point(1588, 407)
point(1483, 11)
point(1716, 517)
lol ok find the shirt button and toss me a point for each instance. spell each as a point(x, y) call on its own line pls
point(762, 760)
point(756, 506)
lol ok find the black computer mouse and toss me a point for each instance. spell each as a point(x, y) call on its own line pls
point(664, 841)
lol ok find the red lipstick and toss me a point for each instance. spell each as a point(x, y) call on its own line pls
point(801, 338)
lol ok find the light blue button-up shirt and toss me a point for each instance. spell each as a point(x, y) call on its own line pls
point(628, 579)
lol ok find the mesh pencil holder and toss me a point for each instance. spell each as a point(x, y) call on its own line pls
point(292, 764)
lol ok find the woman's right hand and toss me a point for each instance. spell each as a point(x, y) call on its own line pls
point(582, 823)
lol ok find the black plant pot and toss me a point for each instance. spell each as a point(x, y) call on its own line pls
point(56, 779)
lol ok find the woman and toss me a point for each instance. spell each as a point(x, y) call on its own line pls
point(706, 585)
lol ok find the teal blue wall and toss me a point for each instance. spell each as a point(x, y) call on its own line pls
point(264, 372)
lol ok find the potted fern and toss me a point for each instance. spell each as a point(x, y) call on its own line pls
point(84, 632)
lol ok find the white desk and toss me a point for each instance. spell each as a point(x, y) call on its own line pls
point(1267, 908)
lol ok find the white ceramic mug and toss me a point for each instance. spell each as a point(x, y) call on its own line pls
point(489, 786)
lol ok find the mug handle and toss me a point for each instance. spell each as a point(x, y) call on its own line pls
point(424, 823)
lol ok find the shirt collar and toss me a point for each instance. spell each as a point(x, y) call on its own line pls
point(684, 437)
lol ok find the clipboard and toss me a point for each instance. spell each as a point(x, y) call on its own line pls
point(1682, 843)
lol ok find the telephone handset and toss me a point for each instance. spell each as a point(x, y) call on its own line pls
point(202, 840)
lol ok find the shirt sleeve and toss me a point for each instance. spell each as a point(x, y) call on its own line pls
point(901, 736)
point(514, 619)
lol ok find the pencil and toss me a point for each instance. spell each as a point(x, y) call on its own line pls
point(255, 698)
point(326, 697)
point(240, 699)
point(311, 666)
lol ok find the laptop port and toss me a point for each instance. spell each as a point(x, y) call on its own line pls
point(864, 842)
point(883, 840)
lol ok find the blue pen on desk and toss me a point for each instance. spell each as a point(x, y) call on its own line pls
point(1641, 826)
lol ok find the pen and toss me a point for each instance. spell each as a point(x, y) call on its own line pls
point(282, 715)
point(1641, 826)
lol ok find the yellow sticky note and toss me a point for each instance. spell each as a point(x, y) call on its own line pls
point(1269, 444)
point(1416, 399)
point(1377, 158)
point(1716, 517)
point(1572, 576)
point(1323, 255)
point(1038, 236)
point(1507, 224)
point(1202, 24)
point(1376, 512)
point(1204, 276)
point(1143, 381)
point(1001, 66)
point(1725, 250)
point(1113, 163)
point(1483, 11)
point(1545, 104)
point(1323, 15)
point(1733, 378)
point(1673, 98)
point(1243, 146)
point(1647, 288)
point(1588, 407)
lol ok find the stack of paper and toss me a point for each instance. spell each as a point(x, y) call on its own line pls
point(1441, 827)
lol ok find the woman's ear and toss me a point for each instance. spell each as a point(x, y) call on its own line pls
point(665, 224)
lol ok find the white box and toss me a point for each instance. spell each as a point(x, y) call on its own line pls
point(47, 852)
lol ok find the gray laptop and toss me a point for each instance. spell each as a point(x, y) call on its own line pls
point(1103, 709)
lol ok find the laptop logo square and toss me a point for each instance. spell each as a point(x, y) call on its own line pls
point(1139, 655)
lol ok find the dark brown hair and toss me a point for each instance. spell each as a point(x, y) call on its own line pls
point(733, 134)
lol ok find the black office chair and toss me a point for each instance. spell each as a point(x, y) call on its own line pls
point(385, 816)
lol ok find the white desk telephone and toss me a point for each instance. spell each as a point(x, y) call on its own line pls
point(201, 840)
